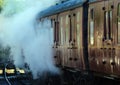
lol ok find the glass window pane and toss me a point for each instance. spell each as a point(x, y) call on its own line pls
point(54, 31)
point(92, 26)
point(92, 14)
point(67, 29)
point(106, 24)
point(70, 24)
point(110, 24)
point(119, 23)
point(61, 30)
point(91, 32)
point(57, 31)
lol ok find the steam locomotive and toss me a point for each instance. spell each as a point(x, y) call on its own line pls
point(86, 38)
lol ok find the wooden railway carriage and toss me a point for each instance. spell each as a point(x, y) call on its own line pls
point(67, 22)
point(86, 35)
point(104, 36)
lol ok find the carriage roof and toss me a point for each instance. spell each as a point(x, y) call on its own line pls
point(63, 6)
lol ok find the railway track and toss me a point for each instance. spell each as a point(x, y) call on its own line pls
point(10, 75)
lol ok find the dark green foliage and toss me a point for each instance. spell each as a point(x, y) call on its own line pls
point(0, 9)
point(4, 54)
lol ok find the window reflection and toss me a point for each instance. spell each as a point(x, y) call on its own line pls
point(92, 26)
point(119, 23)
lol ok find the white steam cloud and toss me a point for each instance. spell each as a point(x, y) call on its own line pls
point(30, 41)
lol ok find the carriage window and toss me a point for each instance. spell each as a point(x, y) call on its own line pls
point(110, 24)
point(70, 28)
point(57, 31)
point(119, 23)
point(107, 24)
point(92, 26)
point(67, 29)
point(61, 30)
point(92, 14)
point(54, 24)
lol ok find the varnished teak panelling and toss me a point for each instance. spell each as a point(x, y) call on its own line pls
point(102, 34)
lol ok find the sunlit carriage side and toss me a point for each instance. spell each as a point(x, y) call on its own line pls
point(86, 37)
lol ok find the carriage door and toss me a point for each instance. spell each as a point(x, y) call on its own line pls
point(74, 42)
point(108, 37)
point(56, 51)
point(72, 49)
point(64, 20)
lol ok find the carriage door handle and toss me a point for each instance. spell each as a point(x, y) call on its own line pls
point(104, 62)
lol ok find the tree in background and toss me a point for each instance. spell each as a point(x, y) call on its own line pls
point(11, 7)
point(1, 3)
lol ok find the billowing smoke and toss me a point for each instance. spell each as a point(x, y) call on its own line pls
point(30, 41)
